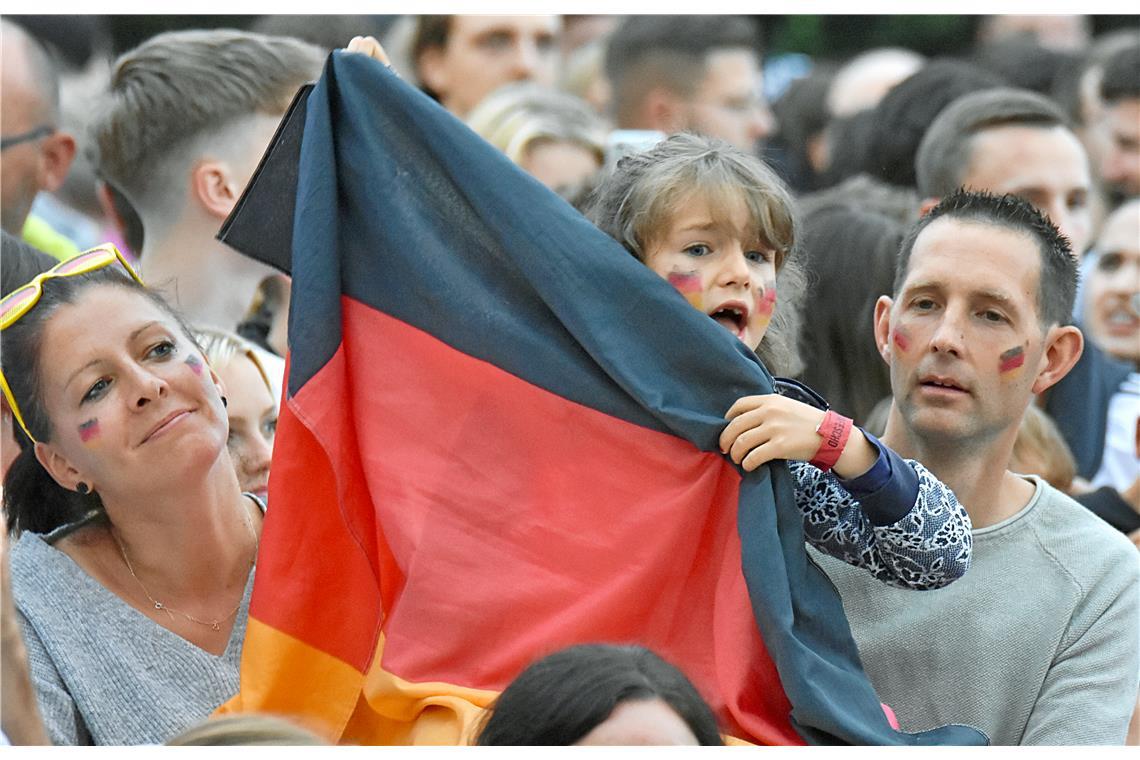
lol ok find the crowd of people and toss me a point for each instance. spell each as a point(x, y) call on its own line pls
point(939, 258)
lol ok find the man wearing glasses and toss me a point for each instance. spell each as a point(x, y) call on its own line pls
point(35, 155)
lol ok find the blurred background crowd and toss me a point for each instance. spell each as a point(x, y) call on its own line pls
point(838, 105)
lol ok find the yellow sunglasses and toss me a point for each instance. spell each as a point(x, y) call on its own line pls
point(21, 300)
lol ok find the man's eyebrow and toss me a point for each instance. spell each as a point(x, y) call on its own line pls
point(923, 285)
point(995, 295)
point(999, 296)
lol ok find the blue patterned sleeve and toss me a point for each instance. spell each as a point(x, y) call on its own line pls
point(929, 547)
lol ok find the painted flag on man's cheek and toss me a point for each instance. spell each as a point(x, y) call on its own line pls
point(499, 439)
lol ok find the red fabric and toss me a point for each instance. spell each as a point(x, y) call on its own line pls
point(487, 493)
point(834, 431)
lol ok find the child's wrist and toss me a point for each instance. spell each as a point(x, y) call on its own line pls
point(858, 456)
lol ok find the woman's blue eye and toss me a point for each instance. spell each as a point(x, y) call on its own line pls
point(269, 428)
point(699, 249)
point(96, 390)
point(162, 350)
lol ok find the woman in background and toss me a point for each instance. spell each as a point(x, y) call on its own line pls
point(251, 408)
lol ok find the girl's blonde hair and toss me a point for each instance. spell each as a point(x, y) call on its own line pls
point(1039, 449)
point(221, 346)
point(636, 200)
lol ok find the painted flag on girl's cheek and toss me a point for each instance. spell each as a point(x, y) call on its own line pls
point(499, 439)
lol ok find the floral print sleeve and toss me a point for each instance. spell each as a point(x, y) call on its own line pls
point(929, 547)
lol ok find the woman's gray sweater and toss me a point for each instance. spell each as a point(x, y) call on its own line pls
point(103, 672)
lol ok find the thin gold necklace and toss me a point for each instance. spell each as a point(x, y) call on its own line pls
point(215, 625)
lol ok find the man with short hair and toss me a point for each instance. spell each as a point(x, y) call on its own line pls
point(1007, 140)
point(1039, 642)
point(1014, 141)
point(36, 154)
point(689, 74)
point(1120, 122)
point(459, 60)
point(180, 132)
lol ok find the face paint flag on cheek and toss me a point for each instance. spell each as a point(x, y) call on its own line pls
point(766, 304)
point(195, 364)
point(689, 285)
point(901, 340)
point(88, 431)
point(1011, 362)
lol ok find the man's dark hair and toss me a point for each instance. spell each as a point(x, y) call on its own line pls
point(564, 696)
point(670, 51)
point(72, 39)
point(849, 140)
point(431, 32)
point(944, 154)
point(801, 113)
point(904, 114)
point(1025, 63)
point(329, 31)
point(1068, 83)
point(1121, 76)
point(1057, 281)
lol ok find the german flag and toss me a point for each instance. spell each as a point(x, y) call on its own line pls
point(498, 439)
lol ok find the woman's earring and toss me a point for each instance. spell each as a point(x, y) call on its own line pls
point(82, 488)
point(225, 403)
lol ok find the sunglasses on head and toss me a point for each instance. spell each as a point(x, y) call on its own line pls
point(21, 300)
point(33, 134)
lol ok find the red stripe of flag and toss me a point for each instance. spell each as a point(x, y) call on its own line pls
point(488, 491)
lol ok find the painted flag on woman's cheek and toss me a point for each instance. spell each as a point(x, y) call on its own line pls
point(499, 439)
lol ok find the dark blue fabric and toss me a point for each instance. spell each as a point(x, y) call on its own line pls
point(888, 490)
point(403, 208)
point(1078, 403)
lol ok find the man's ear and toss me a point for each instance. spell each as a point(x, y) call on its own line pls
point(58, 466)
point(663, 110)
point(57, 151)
point(883, 327)
point(927, 204)
point(212, 184)
point(1063, 347)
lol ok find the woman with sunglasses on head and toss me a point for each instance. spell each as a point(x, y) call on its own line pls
point(133, 566)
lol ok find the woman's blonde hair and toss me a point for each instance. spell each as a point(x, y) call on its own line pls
point(636, 200)
point(1039, 449)
point(250, 730)
point(518, 116)
point(221, 346)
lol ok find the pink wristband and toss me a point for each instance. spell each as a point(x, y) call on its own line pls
point(834, 431)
